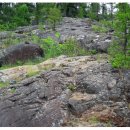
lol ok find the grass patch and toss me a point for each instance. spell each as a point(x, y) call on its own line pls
point(99, 29)
point(103, 26)
point(4, 84)
point(30, 74)
point(20, 63)
point(93, 120)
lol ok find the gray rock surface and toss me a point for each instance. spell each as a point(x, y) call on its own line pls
point(49, 100)
point(79, 29)
point(77, 91)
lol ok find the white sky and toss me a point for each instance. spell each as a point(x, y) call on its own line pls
point(81, 1)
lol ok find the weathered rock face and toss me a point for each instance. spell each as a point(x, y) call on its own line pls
point(20, 52)
point(80, 30)
point(40, 102)
point(78, 88)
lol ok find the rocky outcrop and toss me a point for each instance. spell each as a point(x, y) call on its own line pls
point(68, 91)
point(82, 89)
point(20, 52)
point(81, 30)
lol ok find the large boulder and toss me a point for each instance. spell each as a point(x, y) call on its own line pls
point(20, 52)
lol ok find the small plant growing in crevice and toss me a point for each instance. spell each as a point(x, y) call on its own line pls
point(71, 87)
point(13, 90)
point(93, 120)
point(57, 34)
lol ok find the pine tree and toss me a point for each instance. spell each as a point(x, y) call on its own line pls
point(54, 16)
point(94, 11)
point(119, 52)
point(123, 18)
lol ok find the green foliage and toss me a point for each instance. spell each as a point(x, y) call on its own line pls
point(57, 34)
point(106, 23)
point(54, 16)
point(53, 49)
point(7, 26)
point(100, 29)
point(103, 26)
point(93, 120)
point(41, 26)
point(117, 57)
point(72, 48)
point(13, 90)
point(9, 41)
point(32, 73)
point(81, 12)
point(93, 11)
point(22, 15)
point(71, 87)
point(3, 84)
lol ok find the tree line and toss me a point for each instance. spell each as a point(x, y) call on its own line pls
point(21, 14)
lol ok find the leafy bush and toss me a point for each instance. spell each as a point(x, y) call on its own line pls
point(53, 49)
point(117, 57)
point(8, 26)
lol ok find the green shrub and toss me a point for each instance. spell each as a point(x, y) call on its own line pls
point(7, 26)
point(100, 29)
point(13, 90)
point(57, 34)
point(69, 48)
point(117, 57)
point(71, 87)
point(41, 26)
